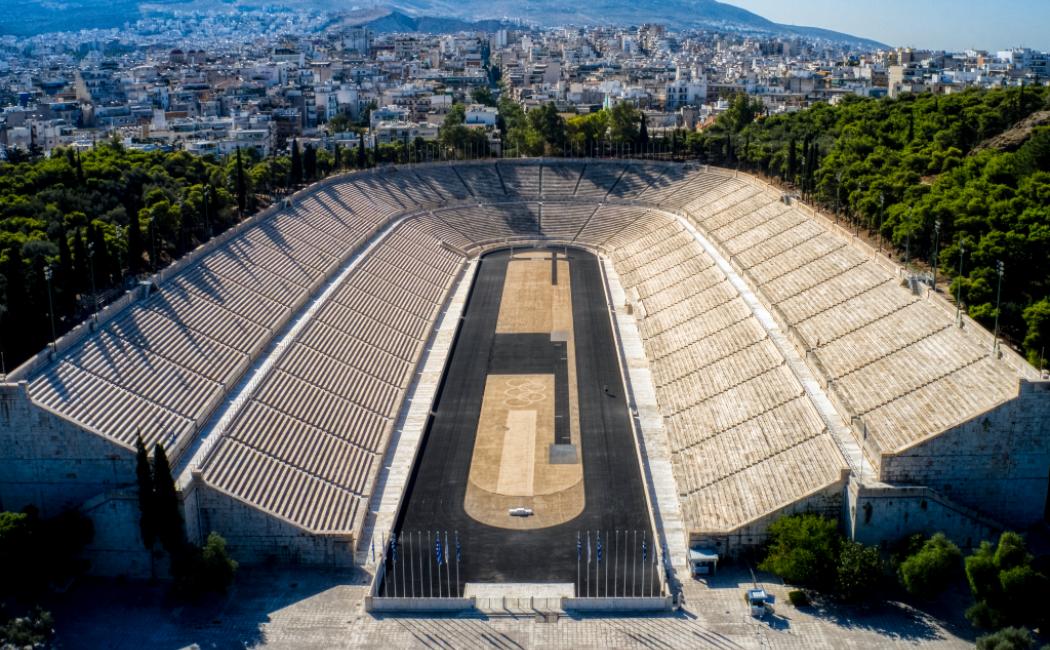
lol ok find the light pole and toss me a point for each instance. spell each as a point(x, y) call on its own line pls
point(936, 244)
point(882, 215)
point(999, 267)
point(91, 272)
point(51, 309)
point(958, 289)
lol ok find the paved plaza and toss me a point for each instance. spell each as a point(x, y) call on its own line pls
point(294, 609)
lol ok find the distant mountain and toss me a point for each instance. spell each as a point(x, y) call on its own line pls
point(39, 16)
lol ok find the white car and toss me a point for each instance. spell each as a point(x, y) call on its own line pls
point(521, 512)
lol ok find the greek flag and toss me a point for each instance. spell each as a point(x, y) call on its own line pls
point(372, 544)
point(457, 547)
point(599, 547)
point(643, 549)
point(588, 547)
point(393, 548)
point(437, 550)
point(446, 547)
point(579, 547)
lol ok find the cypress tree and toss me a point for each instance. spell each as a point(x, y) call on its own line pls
point(166, 499)
point(310, 163)
point(242, 189)
point(361, 160)
point(792, 160)
point(338, 155)
point(643, 133)
point(103, 265)
point(144, 479)
point(64, 276)
point(134, 242)
point(79, 169)
point(296, 175)
point(80, 262)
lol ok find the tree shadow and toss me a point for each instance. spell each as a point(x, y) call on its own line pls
point(115, 613)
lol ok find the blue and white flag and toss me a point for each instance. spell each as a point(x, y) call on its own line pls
point(437, 549)
point(599, 547)
point(393, 548)
point(372, 543)
point(643, 550)
point(588, 547)
point(446, 547)
point(457, 547)
point(579, 547)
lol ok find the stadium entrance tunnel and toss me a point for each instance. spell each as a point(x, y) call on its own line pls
point(528, 472)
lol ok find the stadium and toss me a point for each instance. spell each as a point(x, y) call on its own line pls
point(661, 357)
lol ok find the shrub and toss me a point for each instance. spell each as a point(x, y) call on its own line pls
point(859, 570)
point(798, 598)
point(27, 631)
point(803, 549)
point(1011, 638)
point(1005, 585)
point(198, 571)
point(927, 572)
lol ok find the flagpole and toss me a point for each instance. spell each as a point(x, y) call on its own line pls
point(411, 567)
point(458, 589)
point(588, 564)
point(626, 546)
point(616, 563)
point(437, 556)
point(578, 564)
point(606, 568)
point(641, 591)
point(634, 565)
point(448, 569)
point(430, 565)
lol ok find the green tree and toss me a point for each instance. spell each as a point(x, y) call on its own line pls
point(241, 185)
point(1003, 581)
point(927, 572)
point(144, 482)
point(803, 550)
point(168, 516)
point(859, 570)
point(296, 178)
point(1011, 638)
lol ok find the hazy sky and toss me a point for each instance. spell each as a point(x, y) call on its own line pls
point(936, 24)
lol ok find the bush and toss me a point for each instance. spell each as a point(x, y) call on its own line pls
point(1005, 585)
point(798, 598)
point(803, 550)
point(927, 572)
point(198, 571)
point(859, 570)
point(1011, 638)
point(27, 631)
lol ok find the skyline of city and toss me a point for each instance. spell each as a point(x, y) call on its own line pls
point(934, 24)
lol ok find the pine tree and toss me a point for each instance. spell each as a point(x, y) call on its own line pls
point(168, 520)
point(144, 479)
point(242, 189)
point(296, 175)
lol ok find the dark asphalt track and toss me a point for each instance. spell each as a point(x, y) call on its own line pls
point(613, 485)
